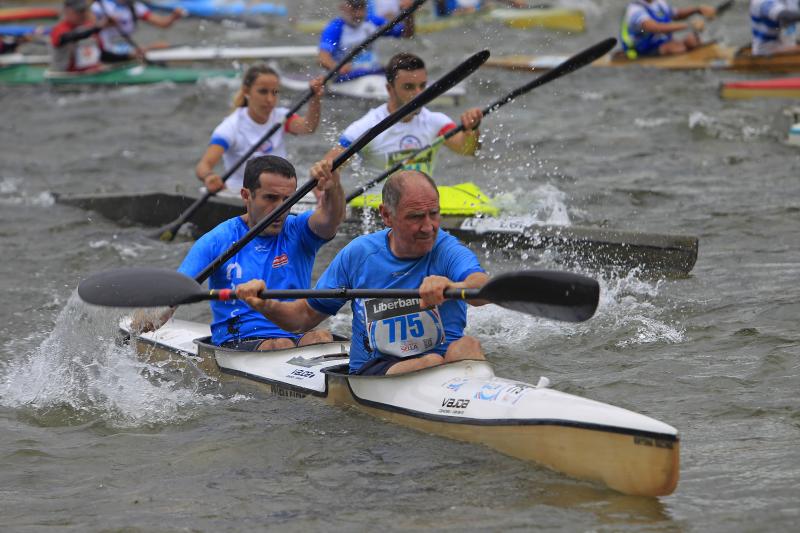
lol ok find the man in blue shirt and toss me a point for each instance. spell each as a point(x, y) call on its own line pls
point(344, 33)
point(283, 253)
point(392, 336)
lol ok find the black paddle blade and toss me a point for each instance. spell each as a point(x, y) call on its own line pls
point(548, 294)
point(140, 287)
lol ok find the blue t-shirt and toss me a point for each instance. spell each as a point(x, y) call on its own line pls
point(339, 38)
point(283, 261)
point(368, 263)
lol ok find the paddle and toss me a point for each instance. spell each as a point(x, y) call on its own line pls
point(572, 64)
point(724, 6)
point(547, 294)
point(169, 232)
point(447, 81)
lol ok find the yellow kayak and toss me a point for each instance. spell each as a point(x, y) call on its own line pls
point(464, 199)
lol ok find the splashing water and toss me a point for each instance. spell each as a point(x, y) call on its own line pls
point(544, 204)
point(78, 372)
point(11, 193)
point(626, 307)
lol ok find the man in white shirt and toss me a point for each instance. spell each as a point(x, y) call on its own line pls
point(406, 77)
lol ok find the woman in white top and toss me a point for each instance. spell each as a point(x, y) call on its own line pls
point(255, 114)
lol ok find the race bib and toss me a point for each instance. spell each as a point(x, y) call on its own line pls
point(87, 54)
point(400, 327)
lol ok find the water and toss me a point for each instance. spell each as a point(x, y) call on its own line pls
point(93, 439)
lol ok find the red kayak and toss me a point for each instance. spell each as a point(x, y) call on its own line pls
point(775, 88)
point(15, 14)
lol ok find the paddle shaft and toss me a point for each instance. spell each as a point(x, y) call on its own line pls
point(169, 233)
point(347, 294)
point(724, 6)
point(569, 65)
point(440, 86)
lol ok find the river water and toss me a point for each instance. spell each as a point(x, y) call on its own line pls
point(93, 439)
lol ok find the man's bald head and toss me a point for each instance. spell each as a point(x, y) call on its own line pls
point(402, 181)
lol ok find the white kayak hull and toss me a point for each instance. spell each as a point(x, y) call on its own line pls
point(585, 439)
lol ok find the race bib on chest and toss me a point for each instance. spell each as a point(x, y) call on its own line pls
point(400, 327)
point(87, 54)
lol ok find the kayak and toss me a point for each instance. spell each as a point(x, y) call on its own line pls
point(548, 18)
point(584, 439)
point(220, 9)
point(192, 54)
point(14, 14)
point(367, 87)
point(794, 135)
point(710, 56)
point(21, 30)
point(777, 88)
point(131, 75)
point(462, 200)
point(601, 248)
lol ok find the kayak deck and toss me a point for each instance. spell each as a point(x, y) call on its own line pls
point(786, 88)
point(710, 56)
point(584, 439)
point(129, 75)
point(615, 250)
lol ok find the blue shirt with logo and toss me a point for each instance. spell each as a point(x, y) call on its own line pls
point(368, 263)
point(283, 261)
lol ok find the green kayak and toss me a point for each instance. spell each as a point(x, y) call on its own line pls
point(129, 75)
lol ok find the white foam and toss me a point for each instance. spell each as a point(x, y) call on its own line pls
point(78, 369)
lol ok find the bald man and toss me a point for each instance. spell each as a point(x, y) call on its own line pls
point(393, 336)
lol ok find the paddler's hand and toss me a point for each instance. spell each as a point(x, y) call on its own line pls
point(406, 4)
point(327, 179)
point(248, 292)
point(178, 13)
point(345, 69)
point(431, 291)
point(317, 86)
point(213, 183)
point(708, 12)
point(146, 320)
point(471, 118)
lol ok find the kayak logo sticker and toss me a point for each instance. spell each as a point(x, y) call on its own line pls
point(455, 384)
point(454, 406)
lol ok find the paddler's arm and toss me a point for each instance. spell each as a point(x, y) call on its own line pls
point(327, 62)
point(651, 26)
point(164, 21)
point(204, 170)
point(467, 141)
point(329, 214)
point(308, 124)
point(408, 24)
point(296, 316)
point(432, 289)
point(77, 35)
point(706, 11)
